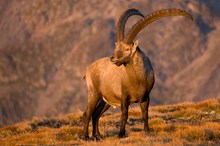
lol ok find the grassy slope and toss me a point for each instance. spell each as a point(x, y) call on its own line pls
point(180, 124)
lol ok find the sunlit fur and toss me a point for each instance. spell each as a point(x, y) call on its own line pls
point(124, 78)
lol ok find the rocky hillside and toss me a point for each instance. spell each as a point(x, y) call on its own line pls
point(45, 47)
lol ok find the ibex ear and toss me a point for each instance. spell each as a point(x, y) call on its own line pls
point(135, 45)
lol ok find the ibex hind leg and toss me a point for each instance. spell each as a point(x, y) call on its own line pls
point(144, 108)
point(99, 110)
point(93, 100)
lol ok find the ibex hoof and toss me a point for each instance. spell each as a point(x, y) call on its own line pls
point(121, 135)
point(97, 137)
point(86, 138)
point(147, 130)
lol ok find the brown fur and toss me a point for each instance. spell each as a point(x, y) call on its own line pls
point(126, 77)
point(120, 84)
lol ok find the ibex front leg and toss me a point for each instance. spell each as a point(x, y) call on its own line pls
point(124, 117)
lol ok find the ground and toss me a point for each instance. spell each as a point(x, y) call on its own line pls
point(179, 124)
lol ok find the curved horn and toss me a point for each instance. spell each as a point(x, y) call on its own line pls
point(151, 18)
point(120, 29)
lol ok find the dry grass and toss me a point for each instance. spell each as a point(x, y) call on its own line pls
point(180, 124)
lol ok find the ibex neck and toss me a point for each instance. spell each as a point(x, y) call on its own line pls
point(136, 68)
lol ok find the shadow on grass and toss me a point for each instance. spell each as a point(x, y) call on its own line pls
point(53, 123)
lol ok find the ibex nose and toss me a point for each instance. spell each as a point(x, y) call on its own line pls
point(112, 58)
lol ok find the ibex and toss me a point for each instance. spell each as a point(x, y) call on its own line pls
point(124, 78)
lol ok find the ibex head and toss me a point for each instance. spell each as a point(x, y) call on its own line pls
point(123, 53)
point(125, 48)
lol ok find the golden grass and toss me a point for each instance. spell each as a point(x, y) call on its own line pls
point(180, 124)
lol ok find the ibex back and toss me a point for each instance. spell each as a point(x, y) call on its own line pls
point(124, 78)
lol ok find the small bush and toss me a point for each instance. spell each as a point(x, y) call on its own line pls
point(52, 123)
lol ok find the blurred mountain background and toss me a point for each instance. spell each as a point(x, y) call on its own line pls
point(45, 46)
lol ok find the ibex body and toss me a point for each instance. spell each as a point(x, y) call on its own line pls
point(126, 77)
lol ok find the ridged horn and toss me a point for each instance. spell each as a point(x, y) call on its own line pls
point(151, 18)
point(120, 29)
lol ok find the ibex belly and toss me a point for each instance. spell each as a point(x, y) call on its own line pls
point(112, 95)
point(114, 104)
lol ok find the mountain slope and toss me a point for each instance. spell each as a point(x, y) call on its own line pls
point(203, 71)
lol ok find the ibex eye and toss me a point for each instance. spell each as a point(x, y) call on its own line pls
point(127, 49)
